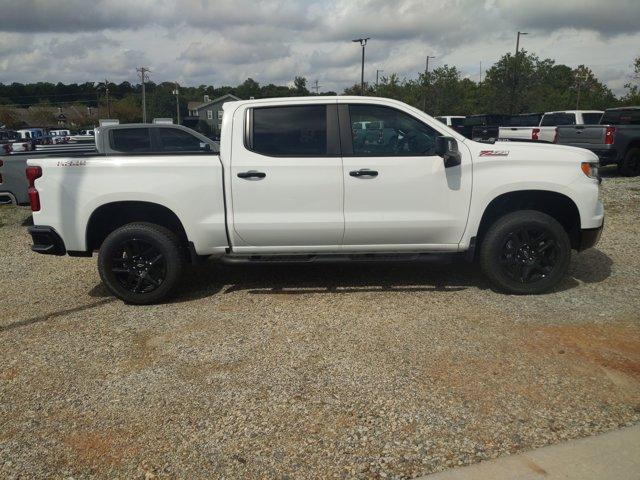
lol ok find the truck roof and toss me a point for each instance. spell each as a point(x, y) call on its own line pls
point(574, 111)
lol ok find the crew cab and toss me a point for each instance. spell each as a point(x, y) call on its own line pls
point(294, 181)
point(616, 140)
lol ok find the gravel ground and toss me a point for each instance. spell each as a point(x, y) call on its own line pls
point(351, 371)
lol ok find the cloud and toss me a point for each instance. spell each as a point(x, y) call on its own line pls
point(225, 41)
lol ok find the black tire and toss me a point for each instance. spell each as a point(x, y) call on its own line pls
point(140, 263)
point(525, 252)
point(629, 166)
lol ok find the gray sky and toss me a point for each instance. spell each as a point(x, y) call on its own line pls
point(224, 42)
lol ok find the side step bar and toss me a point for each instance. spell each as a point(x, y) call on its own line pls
point(340, 258)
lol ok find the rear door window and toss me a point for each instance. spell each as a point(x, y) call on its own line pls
point(294, 131)
point(131, 140)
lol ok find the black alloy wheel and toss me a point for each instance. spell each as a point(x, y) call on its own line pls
point(138, 266)
point(525, 252)
point(141, 262)
point(529, 254)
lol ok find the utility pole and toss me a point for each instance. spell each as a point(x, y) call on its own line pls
point(515, 74)
point(578, 80)
point(106, 91)
point(363, 42)
point(176, 92)
point(378, 72)
point(479, 85)
point(143, 73)
point(426, 83)
point(316, 87)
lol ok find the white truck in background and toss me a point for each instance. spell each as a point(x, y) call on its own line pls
point(295, 181)
point(543, 127)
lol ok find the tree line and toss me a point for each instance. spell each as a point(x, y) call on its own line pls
point(525, 84)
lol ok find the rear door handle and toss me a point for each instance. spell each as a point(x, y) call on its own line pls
point(364, 173)
point(252, 174)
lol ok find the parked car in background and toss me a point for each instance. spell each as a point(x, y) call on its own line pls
point(59, 136)
point(483, 127)
point(36, 134)
point(83, 136)
point(20, 144)
point(292, 184)
point(616, 140)
point(545, 128)
point(6, 143)
point(114, 139)
point(453, 121)
point(520, 127)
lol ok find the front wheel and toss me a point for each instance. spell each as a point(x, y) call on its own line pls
point(141, 262)
point(525, 252)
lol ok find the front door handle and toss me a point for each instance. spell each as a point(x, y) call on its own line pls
point(364, 173)
point(252, 174)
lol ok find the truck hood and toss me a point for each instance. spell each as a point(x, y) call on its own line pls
point(530, 151)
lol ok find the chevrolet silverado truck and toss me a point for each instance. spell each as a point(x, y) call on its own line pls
point(291, 183)
point(616, 140)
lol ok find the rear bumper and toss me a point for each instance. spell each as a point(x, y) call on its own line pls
point(589, 237)
point(46, 240)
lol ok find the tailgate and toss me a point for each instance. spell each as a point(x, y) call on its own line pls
point(520, 133)
point(587, 135)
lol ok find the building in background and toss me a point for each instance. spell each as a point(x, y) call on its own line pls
point(209, 112)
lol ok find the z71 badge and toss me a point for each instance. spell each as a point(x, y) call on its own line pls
point(494, 153)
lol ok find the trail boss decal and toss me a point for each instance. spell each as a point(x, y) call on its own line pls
point(71, 163)
point(494, 153)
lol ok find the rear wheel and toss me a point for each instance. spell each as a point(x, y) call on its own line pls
point(629, 166)
point(525, 252)
point(141, 262)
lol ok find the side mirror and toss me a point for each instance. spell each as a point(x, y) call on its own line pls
point(205, 147)
point(447, 148)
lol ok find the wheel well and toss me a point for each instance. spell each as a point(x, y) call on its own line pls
point(554, 204)
point(633, 144)
point(107, 218)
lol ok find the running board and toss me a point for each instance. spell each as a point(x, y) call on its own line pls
point(340, 258)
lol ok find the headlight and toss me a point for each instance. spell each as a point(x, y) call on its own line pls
point(590, 169)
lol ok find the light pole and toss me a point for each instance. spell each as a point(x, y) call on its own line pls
point(515, 72)
point(378, 72)
point(426, 83)
point(362, 42)
point(176, 92)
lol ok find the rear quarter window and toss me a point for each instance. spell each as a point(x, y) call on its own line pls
point(131, 140)
point(556, 119)
point(621, 117)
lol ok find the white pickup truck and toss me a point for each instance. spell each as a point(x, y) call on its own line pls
point(294, 180)
point(533, 127)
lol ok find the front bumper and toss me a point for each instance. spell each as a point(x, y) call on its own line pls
point(589, 237)
point(46, 240)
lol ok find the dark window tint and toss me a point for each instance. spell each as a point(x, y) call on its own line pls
point(532, 120)
point(621, 117)
point(290, 131)
point(555, 119)
point(131, 140)
point(389, 132)
point(455, 122)
point(591, 118)
point(442, 120)
point(175, 140)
